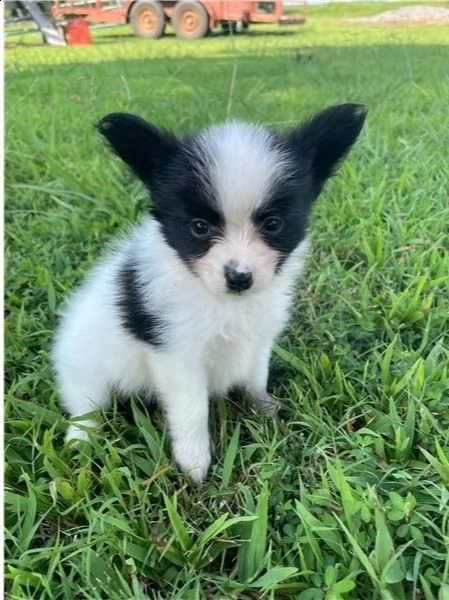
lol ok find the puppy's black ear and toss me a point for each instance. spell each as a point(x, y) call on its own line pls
point(327, 137)
point(143, 147)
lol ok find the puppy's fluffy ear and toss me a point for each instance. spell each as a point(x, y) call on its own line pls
point(327, 137)
point(143, 147)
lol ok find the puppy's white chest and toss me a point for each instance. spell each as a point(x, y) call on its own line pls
point(228, 363)
point(232, 349)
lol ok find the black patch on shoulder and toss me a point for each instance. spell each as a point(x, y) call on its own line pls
point(137, 319)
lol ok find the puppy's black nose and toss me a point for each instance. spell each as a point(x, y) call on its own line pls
point(237, 281)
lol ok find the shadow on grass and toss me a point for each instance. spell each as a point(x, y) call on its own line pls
point(213, 34)
point(26, 39)
point(270, 83)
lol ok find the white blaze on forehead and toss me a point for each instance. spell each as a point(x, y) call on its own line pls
point(243, 164)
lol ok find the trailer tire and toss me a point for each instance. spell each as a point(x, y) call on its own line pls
point(147, 19)
point(190, 20)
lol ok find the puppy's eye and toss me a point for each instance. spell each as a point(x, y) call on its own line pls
point(272, 225)
point(200, 228)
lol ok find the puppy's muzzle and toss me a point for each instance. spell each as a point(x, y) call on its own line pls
point(237, 281)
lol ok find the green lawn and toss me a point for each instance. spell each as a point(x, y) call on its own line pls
point(346, 493)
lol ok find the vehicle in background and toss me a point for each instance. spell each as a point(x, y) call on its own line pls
point(191, 19)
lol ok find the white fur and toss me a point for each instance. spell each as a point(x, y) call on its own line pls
point(242, 167)
point(245, 247)
point(216, 342)
point(213, 340)
point(243, 164)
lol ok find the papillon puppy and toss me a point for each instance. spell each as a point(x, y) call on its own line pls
point(189, 305)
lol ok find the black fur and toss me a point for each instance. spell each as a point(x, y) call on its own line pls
point(136, 318)
point(144, 148)
point(323, 142)
point(180, 196)
point(176, 176)
point(317, 148)
point(291, 201)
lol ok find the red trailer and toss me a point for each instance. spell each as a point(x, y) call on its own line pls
point(191, 19)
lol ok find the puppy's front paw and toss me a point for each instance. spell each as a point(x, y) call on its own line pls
point(80, 432)
point(193, 455)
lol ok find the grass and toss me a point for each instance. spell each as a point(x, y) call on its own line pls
point(346, 494)
point(365, 8)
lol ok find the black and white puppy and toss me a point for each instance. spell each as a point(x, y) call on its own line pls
point(189, 305)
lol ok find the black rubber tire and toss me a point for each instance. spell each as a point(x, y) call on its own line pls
point(190, 20)
point(147, 20)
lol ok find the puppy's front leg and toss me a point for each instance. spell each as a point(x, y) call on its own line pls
point(182, 389)
point(256, 382)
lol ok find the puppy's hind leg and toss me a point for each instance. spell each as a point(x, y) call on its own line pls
point(256, 382)
point(82, 395)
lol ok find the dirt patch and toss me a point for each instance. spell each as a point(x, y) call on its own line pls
point(406, 15)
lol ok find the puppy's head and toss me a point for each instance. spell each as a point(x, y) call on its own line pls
point(233, 200)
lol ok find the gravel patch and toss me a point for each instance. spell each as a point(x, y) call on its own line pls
point(406, 15)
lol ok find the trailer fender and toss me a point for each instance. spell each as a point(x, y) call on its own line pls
point(212, 16)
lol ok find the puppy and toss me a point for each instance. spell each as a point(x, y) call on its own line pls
point(189, 305)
